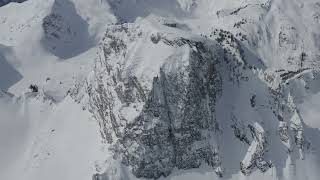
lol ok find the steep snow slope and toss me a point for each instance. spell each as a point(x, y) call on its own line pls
point(38, 129)
point(35, 39)
point(40, 139)
point(172, 89)
point(278, 31)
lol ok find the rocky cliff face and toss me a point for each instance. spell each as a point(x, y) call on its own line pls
point(174, 112)
point(173, 122)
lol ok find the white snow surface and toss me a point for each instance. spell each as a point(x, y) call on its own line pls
point(49, 136)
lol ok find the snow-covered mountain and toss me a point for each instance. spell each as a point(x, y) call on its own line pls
point(4, 2)
point(171, 89)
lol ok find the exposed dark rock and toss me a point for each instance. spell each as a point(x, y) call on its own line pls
point(33, 88)
point(178, 111)
point(5, 2)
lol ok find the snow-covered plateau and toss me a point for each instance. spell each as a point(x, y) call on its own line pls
point(159, 89)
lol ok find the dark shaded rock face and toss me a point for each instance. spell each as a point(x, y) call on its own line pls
point(8, 74)
point(171, 119)
point(5, 2)
point(175, 126)
point(65, 31)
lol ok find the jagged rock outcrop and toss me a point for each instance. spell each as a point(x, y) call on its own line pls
point(161, 116)
point(174, 122)
point(254, 157)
